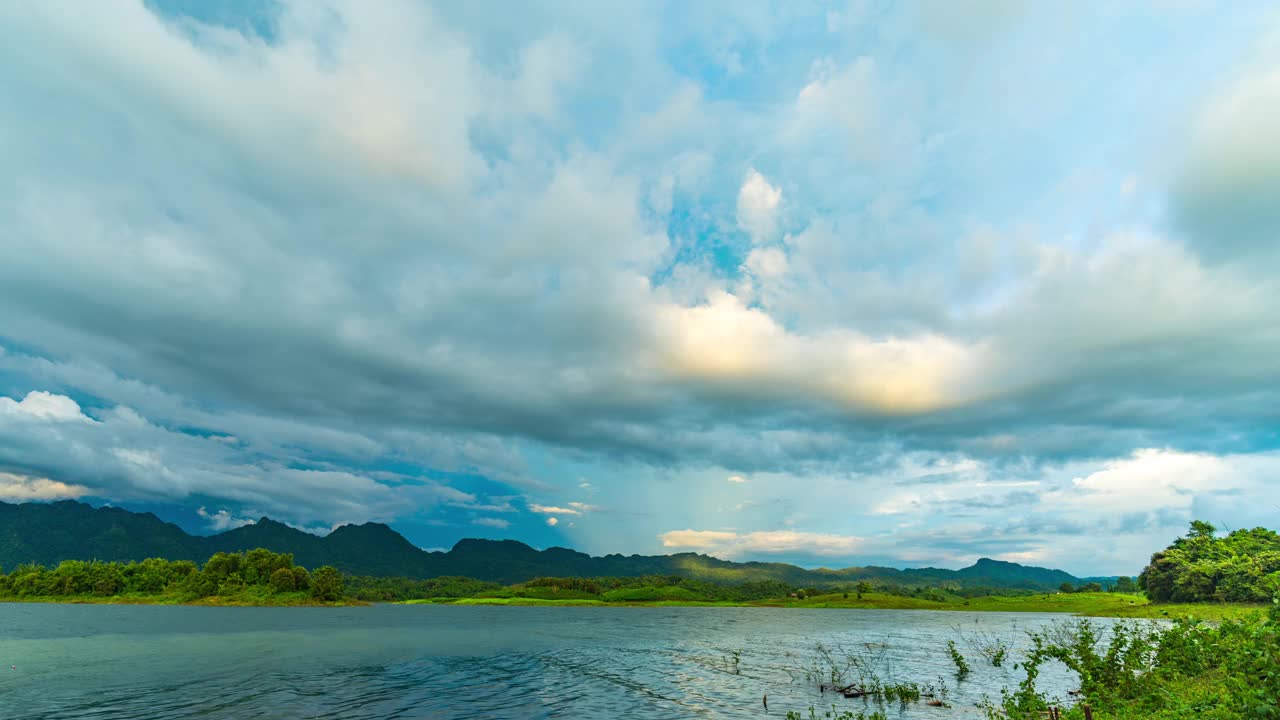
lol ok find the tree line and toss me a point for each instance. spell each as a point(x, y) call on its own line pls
point(224, 574)
point(1241, 566)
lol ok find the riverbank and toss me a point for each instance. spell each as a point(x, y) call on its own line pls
point(245, 599)
point(1119, 605)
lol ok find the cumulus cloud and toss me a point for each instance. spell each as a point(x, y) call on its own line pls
point(22, 488)
point(736, 479)
point(725, 341)
point(1150, 480)
point(44, 406)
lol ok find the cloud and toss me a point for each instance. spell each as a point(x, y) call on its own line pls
point(736, 479)
point(44, 406)
point(450, 256)
point(498, 523)
point(766, 263)
point(768, 542)
point(725, 341)
point(22, 488)
point(127, 457)
point(1227, 196)
point(553, 521)
point(222, 520)
point(758, 203)
point(553, 510)
point(1149, 480)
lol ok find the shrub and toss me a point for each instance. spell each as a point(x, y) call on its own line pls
point(327, 584)
point(282, 580)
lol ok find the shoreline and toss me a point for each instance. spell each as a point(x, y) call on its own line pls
point(1080, 605)
point(213, 601)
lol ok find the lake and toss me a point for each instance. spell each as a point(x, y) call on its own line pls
point(389, 661)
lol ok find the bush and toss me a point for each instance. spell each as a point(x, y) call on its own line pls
point(282, 580)
point(1186, 670)
point(327, 584)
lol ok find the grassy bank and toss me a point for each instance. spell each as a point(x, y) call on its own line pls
point(1121, 605)
point(250, 598)
point(1086, 604)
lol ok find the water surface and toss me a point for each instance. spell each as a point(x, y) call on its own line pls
point(389, 661)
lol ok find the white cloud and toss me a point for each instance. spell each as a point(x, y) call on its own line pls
point(492, 522)
point(222, 520)
point(733, 544)
point(553, 521)
point(44, 406)
point(758, 207)
point(553, 509)
point(736, 479)
point(1151, 479)
point(23, 488)
point(766, 262)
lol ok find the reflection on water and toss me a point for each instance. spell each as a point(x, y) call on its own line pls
point(85, 661)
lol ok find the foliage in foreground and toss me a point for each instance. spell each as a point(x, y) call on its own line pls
point(258, 576)
point(1179, 672)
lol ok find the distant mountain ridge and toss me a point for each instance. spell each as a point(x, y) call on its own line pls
point(68, 530)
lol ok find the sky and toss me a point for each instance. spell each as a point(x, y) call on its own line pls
point(833, 284)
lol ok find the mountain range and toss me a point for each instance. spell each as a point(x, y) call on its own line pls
point(48, 533)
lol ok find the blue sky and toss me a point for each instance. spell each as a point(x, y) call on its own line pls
point(863, 282)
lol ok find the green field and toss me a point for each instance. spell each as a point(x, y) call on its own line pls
point(1085, 604)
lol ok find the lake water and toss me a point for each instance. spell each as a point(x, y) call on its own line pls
point(388, 661)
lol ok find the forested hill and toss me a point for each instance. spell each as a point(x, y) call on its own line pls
point(46, 534)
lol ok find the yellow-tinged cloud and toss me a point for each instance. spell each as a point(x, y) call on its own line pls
point(23, 488)
point(726, 341)
point(731, 544)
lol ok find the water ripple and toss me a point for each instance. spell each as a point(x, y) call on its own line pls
point(100, 663)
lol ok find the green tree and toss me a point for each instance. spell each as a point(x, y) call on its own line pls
point(327, 583)
point(1201, 529)
point(301, 578)
point(1202, 567)
point(1124, 584)
point(282, 580)
point(1091, 587)
point(1066, 587)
